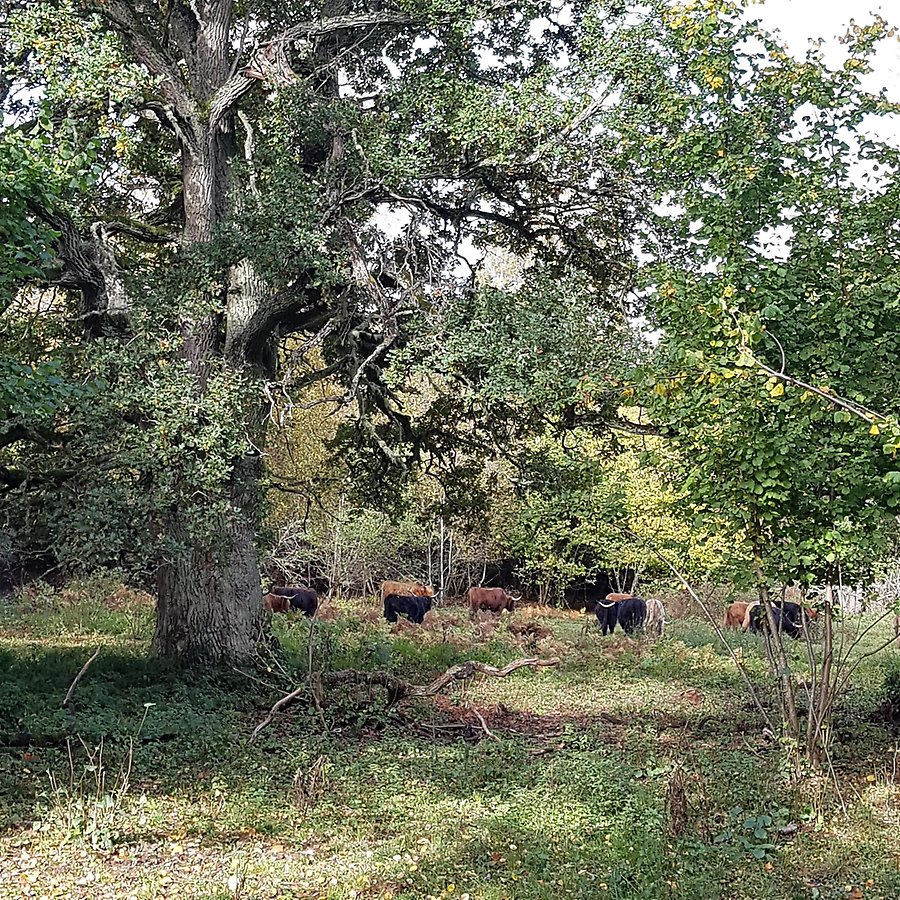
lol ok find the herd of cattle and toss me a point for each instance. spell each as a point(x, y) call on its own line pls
point(412, 600)
point(789, 618)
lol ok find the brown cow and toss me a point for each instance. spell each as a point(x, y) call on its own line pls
point(405, 588)
point(617, 598)
point(274, 603)
point(734, 615)
point(493, 600)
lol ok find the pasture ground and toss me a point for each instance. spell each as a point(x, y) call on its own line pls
point(632, 770)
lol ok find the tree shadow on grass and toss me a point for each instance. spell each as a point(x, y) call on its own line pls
point(178, 723)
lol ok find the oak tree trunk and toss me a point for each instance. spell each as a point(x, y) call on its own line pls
point(209, 608)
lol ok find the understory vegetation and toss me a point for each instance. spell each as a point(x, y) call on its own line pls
point(630, 770)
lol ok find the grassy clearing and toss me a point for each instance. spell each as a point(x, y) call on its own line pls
point(631, 771)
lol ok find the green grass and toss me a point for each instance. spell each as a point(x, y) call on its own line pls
point(630, 771)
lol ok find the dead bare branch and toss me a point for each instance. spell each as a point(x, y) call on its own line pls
point(293, 695)
point(70, 693)
point(399, 689)
point(483, 724)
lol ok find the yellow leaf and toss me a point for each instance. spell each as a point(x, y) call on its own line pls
point(874, 430)
point(721, 151)
point(778, 390)
point(870, 778)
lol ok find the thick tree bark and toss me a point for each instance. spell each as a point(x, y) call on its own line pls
point(210, 604)
point(209, 608)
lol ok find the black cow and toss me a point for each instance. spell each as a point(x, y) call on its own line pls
point(758, 622)
point(587, 592)
point(632, 613)
point(792, 617)
point(409, 605)
point(788, 618)
point(301, 598)
point(607, 615)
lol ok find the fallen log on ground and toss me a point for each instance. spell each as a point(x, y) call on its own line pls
point(398, 688)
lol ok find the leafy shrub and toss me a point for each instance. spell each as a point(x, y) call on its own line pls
point(749, 833)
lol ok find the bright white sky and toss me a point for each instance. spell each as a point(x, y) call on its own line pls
point(800, 21)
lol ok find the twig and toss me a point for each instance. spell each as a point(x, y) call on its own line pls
point(484, 727)
point(856, 663)
point(857, 409)
point(78, 678)
point(281, 703)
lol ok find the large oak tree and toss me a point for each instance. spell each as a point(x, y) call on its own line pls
point(235, 200)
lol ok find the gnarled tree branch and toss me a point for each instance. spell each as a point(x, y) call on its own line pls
point(123, 17)
point(87, 263)
point(269, 61)
point(400, 689)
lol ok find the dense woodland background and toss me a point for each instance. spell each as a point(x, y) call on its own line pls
point(332, 288)
point(333, 293)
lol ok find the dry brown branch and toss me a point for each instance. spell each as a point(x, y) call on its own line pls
point(282, 702)
point(78, 677)
point(483, 724)
point(467, 670)
point(399, 689)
